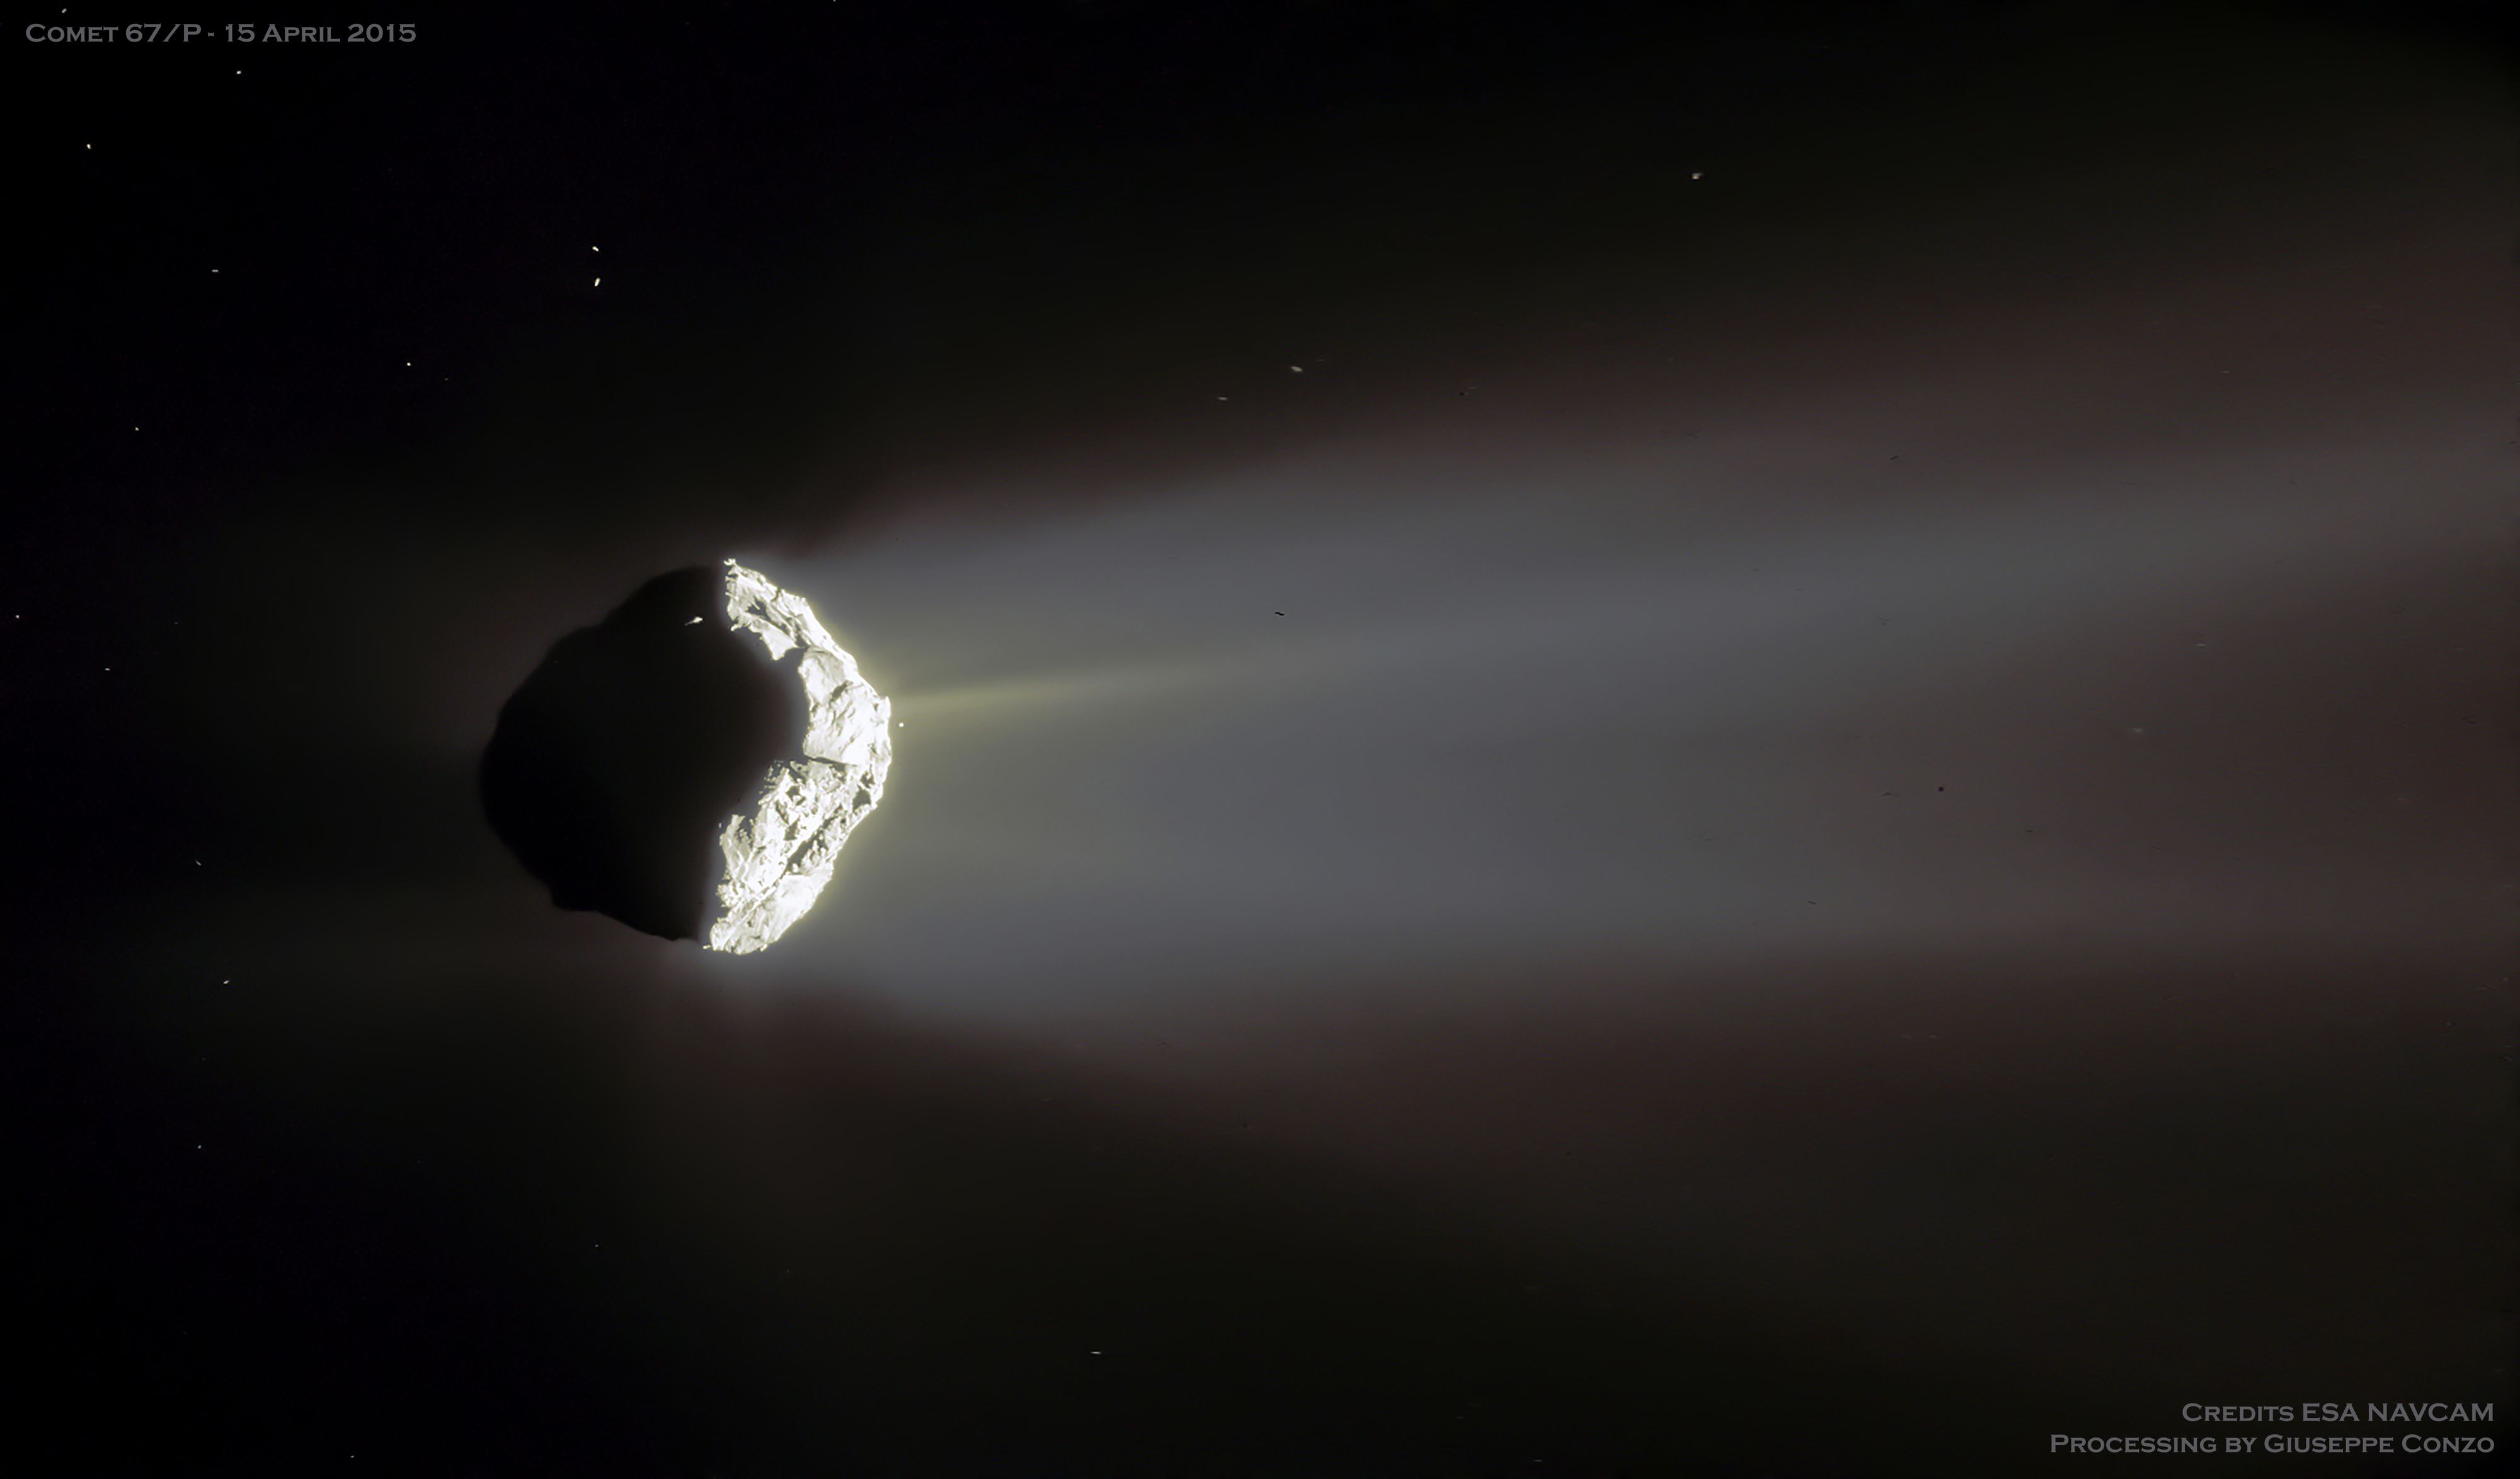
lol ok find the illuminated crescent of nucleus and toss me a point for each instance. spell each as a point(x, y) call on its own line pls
point(779, 856)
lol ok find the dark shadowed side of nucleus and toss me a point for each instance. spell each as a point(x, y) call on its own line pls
point(613, 765)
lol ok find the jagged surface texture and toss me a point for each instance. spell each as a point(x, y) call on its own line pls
point(779, 856)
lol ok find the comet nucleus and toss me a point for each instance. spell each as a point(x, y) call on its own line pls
point(691, 765)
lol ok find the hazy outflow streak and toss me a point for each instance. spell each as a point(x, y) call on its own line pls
point(1934, 661)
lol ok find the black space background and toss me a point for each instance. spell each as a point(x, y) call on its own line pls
point(960, 225)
